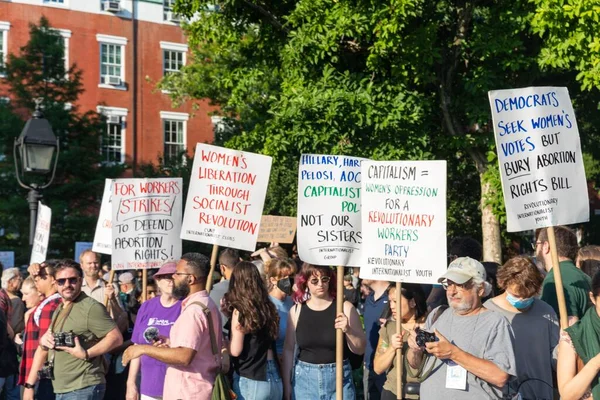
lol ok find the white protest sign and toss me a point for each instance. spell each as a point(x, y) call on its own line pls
point(7, 258)
point(403, 221)
point(42, 234)
point(103, 237)
point(80, 247)
point(539, 155)
point(146, 221)
point(329, 196)
point(226, 197)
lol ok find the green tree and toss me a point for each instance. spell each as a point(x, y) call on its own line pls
point(400, 79)
point(39, 72)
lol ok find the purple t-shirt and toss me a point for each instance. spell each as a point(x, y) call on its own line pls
point(153, 314)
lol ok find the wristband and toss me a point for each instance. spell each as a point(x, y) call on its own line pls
point(29, 386)
point(87, 356)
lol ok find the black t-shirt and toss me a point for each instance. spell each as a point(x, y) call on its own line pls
point(252, 362)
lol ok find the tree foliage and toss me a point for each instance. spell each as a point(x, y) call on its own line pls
point(39, 72)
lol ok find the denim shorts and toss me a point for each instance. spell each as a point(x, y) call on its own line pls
point(317, 381)
point(94, 392)
point(250, 389)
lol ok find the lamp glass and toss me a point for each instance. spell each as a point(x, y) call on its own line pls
point(37, 157)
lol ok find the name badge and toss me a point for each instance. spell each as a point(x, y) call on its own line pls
point(456, 376)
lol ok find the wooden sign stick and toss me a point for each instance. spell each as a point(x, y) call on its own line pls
point(399, 361)
point(144, 284)
point(213, 263)
point(560, 294)
point(339, 338)
point(111, 277)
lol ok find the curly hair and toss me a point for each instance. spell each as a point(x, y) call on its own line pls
point(248, 294)
point(521, 273)
point(306, 272)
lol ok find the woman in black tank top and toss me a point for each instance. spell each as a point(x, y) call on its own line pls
point(254, 329)
point(309, 372)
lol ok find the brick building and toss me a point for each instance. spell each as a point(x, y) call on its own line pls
point(123, 47)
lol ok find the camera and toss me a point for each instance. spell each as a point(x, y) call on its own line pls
point(47, 371)
point(64, 339)
point(151, 334)
point(424, 337)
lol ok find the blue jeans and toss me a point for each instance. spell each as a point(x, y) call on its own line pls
point(250, 389)
point(10, 387)
point(94, 392)
point(317, 381)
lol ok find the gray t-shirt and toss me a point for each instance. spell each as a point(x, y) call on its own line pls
point(216, 294)
point(487, 335)
point(536, 333)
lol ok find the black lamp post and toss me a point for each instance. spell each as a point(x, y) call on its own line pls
point(34, 154)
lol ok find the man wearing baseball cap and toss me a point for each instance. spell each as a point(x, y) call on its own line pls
point(473, 355)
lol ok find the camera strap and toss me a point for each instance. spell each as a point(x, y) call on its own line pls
point(63, 314)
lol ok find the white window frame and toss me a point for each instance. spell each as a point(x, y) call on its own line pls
point(117, 41)
point(178, 117)
point(4, 27)
point(53, 3)
point(118, 112)
point(177, 47)
point(66, 35)
point(167, 9)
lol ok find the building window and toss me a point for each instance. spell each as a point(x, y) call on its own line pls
point(55, 1)
point(172, 61)
point(66, 35)
point(174, 139)
point(168, 14)
point(4, 28)
point(112, 143)
point(113, 140)
point(110, 64)
point(112, 61)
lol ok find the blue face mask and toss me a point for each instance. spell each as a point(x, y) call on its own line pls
point(519, 303)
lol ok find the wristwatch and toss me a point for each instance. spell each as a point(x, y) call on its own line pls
point(29, 386)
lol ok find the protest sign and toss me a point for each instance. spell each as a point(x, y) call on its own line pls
point(7, 258)
point(80, 247)
point(277, 229)
point(226, 197)
point(329, 196)
point(146, 221)
point(403, 221)
point(42, 234)
point(539, 155)
point(103, 237)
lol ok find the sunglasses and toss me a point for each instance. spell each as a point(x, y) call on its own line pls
point(72, 281)
point(324, 280)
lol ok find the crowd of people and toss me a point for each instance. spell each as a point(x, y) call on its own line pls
point(268, 329)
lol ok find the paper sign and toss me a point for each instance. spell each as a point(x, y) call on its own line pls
point(146, 221)
point(329, 196)
point(277, 229)
point(103, 237)
point(226, 197)
point(403, 221)
point(8, 259)
point(80, 247)
point(539, 155)
point(42, 234)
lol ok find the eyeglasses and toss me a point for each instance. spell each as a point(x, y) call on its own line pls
point(324, 280)
point(459, 286)
point(72, 281)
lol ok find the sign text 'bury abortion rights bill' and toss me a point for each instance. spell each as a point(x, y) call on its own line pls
point(539, 155)
point(403, 221)
point(329, 197)
point(226, 197)
point(146, 221)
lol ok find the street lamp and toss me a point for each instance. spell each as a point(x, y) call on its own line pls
point(34, 154)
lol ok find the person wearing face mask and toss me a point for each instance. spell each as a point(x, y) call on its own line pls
point(280, 279)
point(535, 326)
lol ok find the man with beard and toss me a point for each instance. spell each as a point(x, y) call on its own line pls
point(76, 367)
point(576, 284)
point(192, 367)
point(473, 356)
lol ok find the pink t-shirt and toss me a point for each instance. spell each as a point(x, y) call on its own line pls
point(195, 381)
